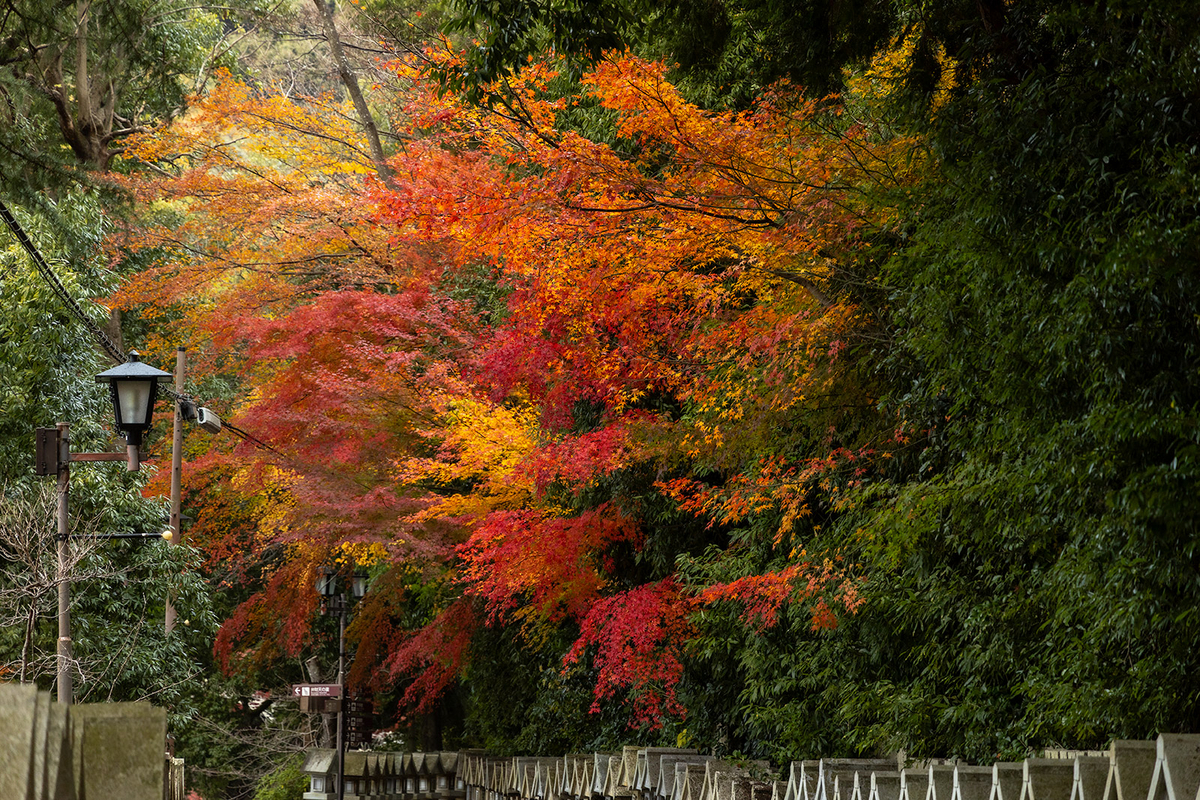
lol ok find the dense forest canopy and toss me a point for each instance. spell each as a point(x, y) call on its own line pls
point(787, 379)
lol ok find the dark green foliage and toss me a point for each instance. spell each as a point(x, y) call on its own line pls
point(518, 701)
point(726, 50)
point(509, 31)
point(288, 782)
point(1035, 570)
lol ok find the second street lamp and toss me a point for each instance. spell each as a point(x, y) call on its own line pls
point(335, 601)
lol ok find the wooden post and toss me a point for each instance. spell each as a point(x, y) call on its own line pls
point(65, 686)
point(176, 475)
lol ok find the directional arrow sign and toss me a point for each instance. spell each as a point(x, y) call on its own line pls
point(316, 690)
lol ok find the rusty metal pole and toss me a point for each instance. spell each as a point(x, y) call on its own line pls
point(176, 474)
point(65, 686)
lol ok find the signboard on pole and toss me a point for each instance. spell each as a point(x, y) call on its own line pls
point(318, 698)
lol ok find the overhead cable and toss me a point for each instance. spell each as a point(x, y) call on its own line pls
point(104, 340)
point(40, 264)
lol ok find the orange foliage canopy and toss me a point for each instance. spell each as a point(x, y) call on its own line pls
point(460, 368)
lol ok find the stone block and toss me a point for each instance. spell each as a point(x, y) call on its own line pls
point(941, 782)
point(1047, 779)
point(972, 783)
point(628, 767)
point(600, 772)
point(18, 710)
point(650, 761)
point(119, 750)
point(584, 768)
point(549, 777)
point(802, 780)
point(885, 786)
point(526, 772)
point(566, 775)
point(1177, 767)
point(859, 786)
point(1008, 779)
point(1091, 776)
point(689, 781)
point(914, 784)
point(666, 769)
point(714, 770)
point(829, 787)
point(612, 778)
point(1131, 768)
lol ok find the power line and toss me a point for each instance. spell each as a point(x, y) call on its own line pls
point(251, 438)
point(44, 268)
point(106, 342)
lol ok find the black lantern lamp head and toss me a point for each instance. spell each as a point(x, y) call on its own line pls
point(326, 582)
point(333, 586)
point(134, 388)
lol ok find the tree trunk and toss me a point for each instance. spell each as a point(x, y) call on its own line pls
point(350, 81)
point(30, 625)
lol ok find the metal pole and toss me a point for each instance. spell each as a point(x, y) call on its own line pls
point(341, 715)
point(176, 475)
point(64, 586)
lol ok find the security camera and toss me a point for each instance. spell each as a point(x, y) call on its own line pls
point(208, 420)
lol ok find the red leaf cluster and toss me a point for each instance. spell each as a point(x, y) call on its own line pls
point(434, 655)
point(544, 565)
point(638, 636)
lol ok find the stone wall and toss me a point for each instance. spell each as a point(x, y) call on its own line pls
point(98, 751)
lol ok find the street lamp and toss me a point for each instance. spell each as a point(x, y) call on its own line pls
point(134, 388)
point(334, 601)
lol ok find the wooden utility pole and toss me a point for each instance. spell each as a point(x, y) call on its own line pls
point(65, 685)
point(176, 473)
point(61, 466)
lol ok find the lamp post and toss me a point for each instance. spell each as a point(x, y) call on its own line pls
point(334, 601)
point(133, 386)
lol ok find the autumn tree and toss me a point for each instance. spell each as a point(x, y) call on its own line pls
point(670, 298)
point(504, 348)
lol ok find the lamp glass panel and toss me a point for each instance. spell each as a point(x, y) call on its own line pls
point(133, 398)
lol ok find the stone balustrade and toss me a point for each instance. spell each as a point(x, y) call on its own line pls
point(1164, 769)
